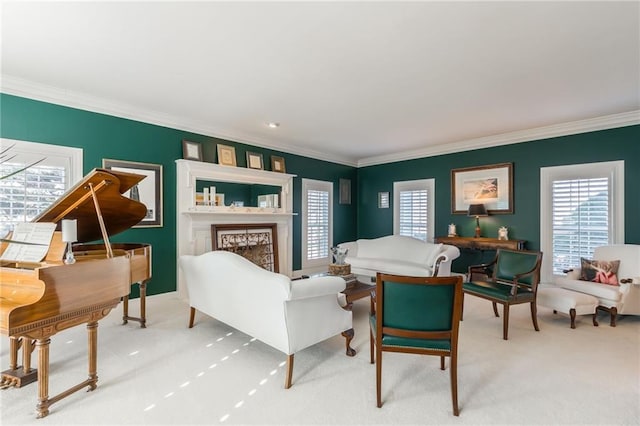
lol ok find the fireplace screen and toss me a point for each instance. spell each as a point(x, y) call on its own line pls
point(256, 242)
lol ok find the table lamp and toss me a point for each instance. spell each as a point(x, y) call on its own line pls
point(69, 235)
point(477, 210)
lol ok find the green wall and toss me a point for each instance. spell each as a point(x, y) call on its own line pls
point(527, 158)
point(103, 136)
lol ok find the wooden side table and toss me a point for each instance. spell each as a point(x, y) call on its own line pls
point(481, 243)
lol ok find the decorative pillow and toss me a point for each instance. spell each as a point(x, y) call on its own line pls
point(599, 271)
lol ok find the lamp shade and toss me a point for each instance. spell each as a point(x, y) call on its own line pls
point(477, 210)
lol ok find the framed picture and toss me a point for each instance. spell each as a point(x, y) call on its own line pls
point(489, 185)
point(148, 191)
point(254, 161)
point(226, 155)
point(191, 150)
point(383, 200)
point(345, 191)
point(277, 164)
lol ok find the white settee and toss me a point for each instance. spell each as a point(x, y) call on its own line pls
point(287, 315)
point(617, 299)
point(400, 255)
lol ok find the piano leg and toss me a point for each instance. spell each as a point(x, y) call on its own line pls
point(44, 402)
point(143, 307)
point(43, 377)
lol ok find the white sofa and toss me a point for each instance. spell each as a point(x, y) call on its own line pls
point(287, 315)
point(400, 255)
point(622, 299)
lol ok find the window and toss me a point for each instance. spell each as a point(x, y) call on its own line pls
point(582, 207)
point(413, 208)
point(26, 194)
point(317, 219)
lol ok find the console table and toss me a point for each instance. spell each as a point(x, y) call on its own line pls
point(481, 243)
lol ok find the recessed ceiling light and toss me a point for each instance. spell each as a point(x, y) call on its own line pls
point(273, 125)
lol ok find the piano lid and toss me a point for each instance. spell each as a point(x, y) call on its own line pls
point(119, 212)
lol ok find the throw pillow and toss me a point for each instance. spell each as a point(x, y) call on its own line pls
point(599, 271)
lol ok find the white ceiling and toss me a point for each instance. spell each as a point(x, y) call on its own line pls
point(353, 82)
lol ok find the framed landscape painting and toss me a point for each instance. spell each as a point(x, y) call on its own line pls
point(489, 185)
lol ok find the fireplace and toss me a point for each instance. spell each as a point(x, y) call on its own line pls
point(257, 242)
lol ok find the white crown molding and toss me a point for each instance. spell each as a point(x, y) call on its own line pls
point(27, 89)
point(45, 93)
point(564, 129)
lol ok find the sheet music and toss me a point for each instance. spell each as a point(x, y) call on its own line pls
point(37, 234)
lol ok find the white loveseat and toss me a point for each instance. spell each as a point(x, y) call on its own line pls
point(622, 299)
point(287, 315)
point(400, 255)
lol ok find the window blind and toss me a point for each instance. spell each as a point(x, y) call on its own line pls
point(25, 195)
point(317, 224)
point(580, 219)
point(413, 207)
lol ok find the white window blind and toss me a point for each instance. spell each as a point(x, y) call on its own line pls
point(317, 222)
point(581, 208)
point(24, 195)
point(580, 220)
point(414, 209)
point(413, 213)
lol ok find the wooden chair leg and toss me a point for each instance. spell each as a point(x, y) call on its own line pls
point(614, 314)
point(505, 322)
point(572, 315)
point(462, 308)
point(371, 345)
point(534, 316)
point(192, 316)
point(495, 308)
point(287, 380)
point(378, 375)
point(441, 363)
point(454, 383)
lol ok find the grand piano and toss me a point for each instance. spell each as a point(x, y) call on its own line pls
point(37, 300)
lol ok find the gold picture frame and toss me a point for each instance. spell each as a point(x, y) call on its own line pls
point(226, 155)
point(277, 164)
point(489, 185)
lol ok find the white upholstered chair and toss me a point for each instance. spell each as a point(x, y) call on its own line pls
point(289, 315)
point(622, 299)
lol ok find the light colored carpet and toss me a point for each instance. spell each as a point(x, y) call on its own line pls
point(212, 374)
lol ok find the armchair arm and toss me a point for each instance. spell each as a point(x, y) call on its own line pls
point(516, 281)
point(441, 258)
point(318, 286)
point(482, 268)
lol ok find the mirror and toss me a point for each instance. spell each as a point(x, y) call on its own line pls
point(228, 193)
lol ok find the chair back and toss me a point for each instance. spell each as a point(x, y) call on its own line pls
point(409, 308)
point(510, 263)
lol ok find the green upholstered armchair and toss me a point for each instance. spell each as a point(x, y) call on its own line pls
point(512, 278)
point(418, 315)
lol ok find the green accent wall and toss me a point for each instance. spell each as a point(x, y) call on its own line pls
point(103, 136)
point(527, 158)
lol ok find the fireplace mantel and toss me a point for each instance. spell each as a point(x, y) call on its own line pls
point(194, 222)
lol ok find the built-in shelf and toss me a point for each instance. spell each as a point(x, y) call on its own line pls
point(194, 221)
point(235, 210)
